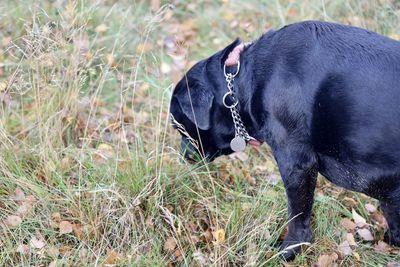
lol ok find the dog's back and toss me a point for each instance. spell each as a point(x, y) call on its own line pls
point(355, 127)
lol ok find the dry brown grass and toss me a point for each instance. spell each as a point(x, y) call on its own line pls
point(89, 171)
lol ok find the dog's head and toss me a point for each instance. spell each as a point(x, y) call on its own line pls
point(197, 111)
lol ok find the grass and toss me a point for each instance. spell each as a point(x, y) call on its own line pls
point(85, 138)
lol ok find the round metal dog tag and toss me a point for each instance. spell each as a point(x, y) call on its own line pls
point(238, 144)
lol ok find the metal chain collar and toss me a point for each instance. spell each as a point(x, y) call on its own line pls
point(240, 130)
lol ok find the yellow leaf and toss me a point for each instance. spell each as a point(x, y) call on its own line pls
point(3, 86)
point(350, 239)
point(101, 28)
point(104, 147)
point(219, 236)
point(228, 15)
point(356, 255)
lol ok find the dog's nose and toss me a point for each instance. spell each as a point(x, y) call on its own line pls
point(187, 149)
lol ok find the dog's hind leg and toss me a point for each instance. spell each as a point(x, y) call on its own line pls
point(391, 211)
point(298, 168)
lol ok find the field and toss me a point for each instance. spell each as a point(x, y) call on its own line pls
point(90, 171)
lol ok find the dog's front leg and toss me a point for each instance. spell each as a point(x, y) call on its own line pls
point(298, 168)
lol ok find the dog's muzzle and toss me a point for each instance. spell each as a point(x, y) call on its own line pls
point(190, 153)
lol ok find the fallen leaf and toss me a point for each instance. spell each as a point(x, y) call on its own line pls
point(370, 208)
point(356, 255)
point(250, 179)
point(65, 251)
point(155, 5)
point(56, 216)
point(178, 255)
point(350, 201)
point(208, 236)
point(165, 68)
point(37, 242)
point(272, 178)
point(383, 247)
point(242, 156)
point(327, 260)
point(19, 195)
point(284, 233)
point(106, 152)
point(25, 208)
point(194, 239)
point(149, 223)
point(23, 249)
point(112, 257)
point(111, 60)
point(365, 234)
point(350, 239)
point(228, 15)
point(170, 244)
point(3, 86)
point(78, 231)
point(219, 236)
point(201, 259)
point(395, 36)
point(13, 221)
point(348, 224)
point(101, 28)
point(6, 41)
point(143, 48)
point(53, 251)
point(65, 227)
point(345, 248)
point(358, 219)
point(104, 147)
point(377, 217)
point(83, 254)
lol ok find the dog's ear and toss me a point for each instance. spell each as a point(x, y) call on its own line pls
point(225, 52)
point(196, 102)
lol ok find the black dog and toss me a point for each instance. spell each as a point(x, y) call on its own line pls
point(324, 96)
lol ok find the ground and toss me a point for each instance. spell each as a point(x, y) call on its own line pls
point(90, 172)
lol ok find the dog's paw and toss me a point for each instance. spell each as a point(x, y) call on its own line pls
point(290, 249)
point(392, 238)
point(288, 254)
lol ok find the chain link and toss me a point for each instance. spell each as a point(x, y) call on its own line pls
point(240, 130)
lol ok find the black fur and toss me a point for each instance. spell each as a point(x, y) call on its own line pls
point(325, 97)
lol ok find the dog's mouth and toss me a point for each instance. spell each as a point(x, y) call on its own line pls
point(191, 154)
